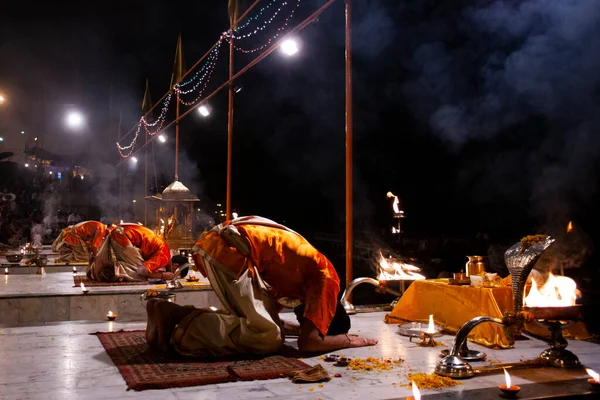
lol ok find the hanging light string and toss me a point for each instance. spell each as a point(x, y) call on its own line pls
point(212, 57)
point(130, 147)
point(280, 30)
point(258, 29)
point(254, 18)
point(161, 118)
point(208, 75)
point(204, 75)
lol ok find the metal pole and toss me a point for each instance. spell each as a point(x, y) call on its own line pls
point(230, 125)
point(349, 219)
point(177, 139)
point(146, 181)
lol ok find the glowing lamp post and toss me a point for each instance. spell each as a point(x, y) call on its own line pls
point(289, 47)
point(204, 111)
point(162, 138)
point(74, 119)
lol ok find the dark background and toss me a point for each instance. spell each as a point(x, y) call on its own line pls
point(480, 115)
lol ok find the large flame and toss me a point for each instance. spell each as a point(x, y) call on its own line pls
point(396, 205)
point(415, 390)
point(394, 270)
point(558, 291)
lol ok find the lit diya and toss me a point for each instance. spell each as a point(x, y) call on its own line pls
point(83, 288)
point(508, 389)
point(111, 316)
point(416, 393)
point(74, 270)
point(427, 335)
point(594, 380)
point(6, 271)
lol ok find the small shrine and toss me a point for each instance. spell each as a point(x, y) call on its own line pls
point(174, 215)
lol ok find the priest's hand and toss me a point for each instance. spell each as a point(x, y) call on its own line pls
point(359, 341)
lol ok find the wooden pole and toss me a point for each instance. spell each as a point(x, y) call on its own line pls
point(349, 215)
point(146, 181)
point(177, 139)
point(230, 120)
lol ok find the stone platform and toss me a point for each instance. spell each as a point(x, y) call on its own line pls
point(33, 299)
point(63, 361)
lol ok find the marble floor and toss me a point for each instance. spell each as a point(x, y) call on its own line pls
point(62, 361)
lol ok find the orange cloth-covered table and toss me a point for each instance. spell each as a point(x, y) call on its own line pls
point(453, 305)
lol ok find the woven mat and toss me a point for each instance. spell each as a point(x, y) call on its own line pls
point(143, 369)
point(78, 279)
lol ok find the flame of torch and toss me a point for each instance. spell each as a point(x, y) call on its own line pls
point(415, 390)
point(396, 205)
point(570, 227)
point(507, 377)
point(593, 374)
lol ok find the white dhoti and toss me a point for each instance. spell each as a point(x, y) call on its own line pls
point(102, 255)
point(70, 252)
point(248, 323)
point(129, 258)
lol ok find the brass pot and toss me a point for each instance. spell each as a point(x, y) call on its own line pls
point(475, 266)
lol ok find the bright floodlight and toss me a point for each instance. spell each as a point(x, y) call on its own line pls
point(204, 111)
point(162, 138)
point(26, 165)
point(289, 47)
point(134, 160)
point(22, 132)
point(74, 119)
point(1, 139)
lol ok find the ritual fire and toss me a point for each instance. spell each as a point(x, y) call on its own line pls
point(415, 390)
point(558, 291)
point(390, 269)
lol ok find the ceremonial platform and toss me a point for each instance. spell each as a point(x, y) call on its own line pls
point(33, 299)
point(63, 361)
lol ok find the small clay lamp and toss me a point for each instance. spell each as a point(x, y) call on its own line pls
point(6, 271)
point(83, 288)
point(594, 380)
point(74, 270)
point(111, 316)
point(509, 390)
point(416, 393)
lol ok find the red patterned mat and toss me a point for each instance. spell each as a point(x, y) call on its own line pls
point(143, 369)
point(78, 279)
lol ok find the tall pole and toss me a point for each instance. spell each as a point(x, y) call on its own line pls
point(232, 21)
point(146, 180)
point(177, 139)
point(349, 219)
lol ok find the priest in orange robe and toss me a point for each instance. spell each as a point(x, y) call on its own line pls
point(140, 254)
point(81, 241)
point(256, 266)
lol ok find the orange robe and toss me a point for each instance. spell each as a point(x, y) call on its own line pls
point(90, 232)
point(153, 249)
point(287, 262)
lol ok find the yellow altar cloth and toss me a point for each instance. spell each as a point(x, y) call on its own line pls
point(453, 305)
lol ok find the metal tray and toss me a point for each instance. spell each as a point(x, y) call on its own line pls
point(417, 328)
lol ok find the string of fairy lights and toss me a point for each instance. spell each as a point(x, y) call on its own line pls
point(196, 84)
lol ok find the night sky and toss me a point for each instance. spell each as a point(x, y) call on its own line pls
point(481, 115)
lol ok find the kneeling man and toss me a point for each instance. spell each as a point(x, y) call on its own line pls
point(140, 255)
point(255, 266)
point(81, 241)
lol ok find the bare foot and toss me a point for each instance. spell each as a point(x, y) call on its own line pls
point(152, 326)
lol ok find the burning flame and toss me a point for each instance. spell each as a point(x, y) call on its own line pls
point(570, 226)
point(593, 374)
point(110, 313)
point(431, 326)
point(396, 205)
point(74, 270)
point(389, 270)
point(507, 377)
point(6, 270)
point(415, 390)
point(82, 286)
point(558, 291)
